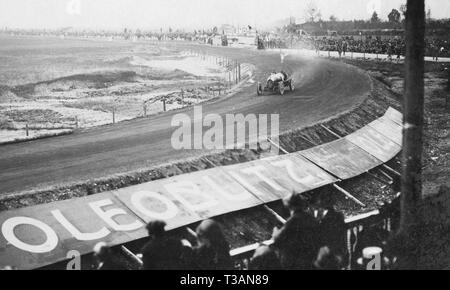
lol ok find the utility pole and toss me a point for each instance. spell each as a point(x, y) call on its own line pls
point(413, 107)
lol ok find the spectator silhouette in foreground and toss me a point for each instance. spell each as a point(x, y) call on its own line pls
point(212, 251)
point(105, 258)
point(263, 259)
point(327, 260)
point(332, 228)
point(296, 242)
point(162, 252)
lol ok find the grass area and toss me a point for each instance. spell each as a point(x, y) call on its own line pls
point(6, 124)
point(49, 83)
point(94, 105)
point(34, 116)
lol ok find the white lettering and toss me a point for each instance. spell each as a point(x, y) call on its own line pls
point(8, 232)
point(108, 215)
point(103, 232)
point(170, 212)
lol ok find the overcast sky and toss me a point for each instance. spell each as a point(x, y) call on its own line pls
point(186, 13)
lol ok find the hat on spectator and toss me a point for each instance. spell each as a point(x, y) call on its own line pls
point(156, 228)
point(296, 202)
point(101, 250)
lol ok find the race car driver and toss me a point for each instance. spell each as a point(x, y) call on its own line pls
point(277, 77)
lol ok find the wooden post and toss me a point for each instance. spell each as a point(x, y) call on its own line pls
point(114, 115)
point(234, 72)
point(26, 130)
point(145, 109)
point(331, 132)
point(277, 145)
point(447, 97)
point(136, 260)
point(346, 193)
point(239, 72)
point(164, 105)
point(412, 137)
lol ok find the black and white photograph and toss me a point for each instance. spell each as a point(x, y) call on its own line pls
point(220, 141)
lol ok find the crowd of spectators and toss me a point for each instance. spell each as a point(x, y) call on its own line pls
point(210, 251)
point(313, 238)
point(376, 45)
point(391, 47)
point(394, 47)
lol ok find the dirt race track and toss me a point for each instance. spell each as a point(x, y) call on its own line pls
point(323, 90)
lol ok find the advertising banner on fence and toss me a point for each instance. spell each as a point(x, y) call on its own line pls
point(41, 235)
point(152, 201)
point(300, 175)
point(375, 143)
point(258, 178)
point(342, 158)
point(388, 128)
point(394, 115)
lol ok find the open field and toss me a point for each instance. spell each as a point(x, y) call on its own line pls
point(55, 85)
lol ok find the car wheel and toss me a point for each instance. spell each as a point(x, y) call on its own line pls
point(259, 89)
point(282, 89)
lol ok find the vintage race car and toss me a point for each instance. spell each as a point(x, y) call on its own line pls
point(276, 83)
